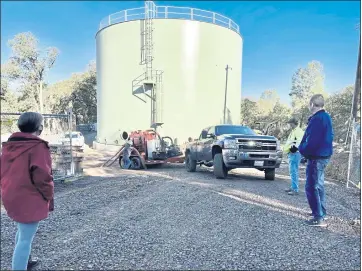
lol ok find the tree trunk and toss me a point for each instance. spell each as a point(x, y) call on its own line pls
point(76, 119)
point(301, 121)
point(41, 106)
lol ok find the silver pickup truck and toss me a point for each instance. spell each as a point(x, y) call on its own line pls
point(226, 147)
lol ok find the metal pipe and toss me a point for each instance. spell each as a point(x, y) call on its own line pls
point(350, 156)
point(226, 90)
point(357, 87)
point(70, 127)
point(356, 95)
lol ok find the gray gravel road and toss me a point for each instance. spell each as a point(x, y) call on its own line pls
point(166, 218)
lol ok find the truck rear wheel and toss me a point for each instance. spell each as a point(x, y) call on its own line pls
point(270, 174)
point(220, 170)
point(190, 163)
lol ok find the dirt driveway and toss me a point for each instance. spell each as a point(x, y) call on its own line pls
point(167, 218)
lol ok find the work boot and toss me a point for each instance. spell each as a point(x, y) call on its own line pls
point(288, 190)
point(32, 263)
point(314, 222)
point(293, 193)
point(311, 215)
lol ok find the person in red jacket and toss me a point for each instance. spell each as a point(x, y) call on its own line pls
point(27, 188)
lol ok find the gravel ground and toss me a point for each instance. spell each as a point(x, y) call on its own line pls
point(166, 218)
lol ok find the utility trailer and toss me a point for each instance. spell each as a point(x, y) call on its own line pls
point(146, 148)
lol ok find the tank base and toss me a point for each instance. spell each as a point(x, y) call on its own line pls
point(105, 147)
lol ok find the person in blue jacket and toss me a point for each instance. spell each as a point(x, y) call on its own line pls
point(317, 147)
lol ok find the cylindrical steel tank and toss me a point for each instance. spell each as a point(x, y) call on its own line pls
point(192, 47)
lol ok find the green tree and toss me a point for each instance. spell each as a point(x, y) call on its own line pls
point(4, 88)
point(281, 114)
point(4, 83)
point(267, 101)
point(339, 106)
point(305, 83)
point(57, 95)
point(9, 99)
point(275, 120)
point(268, 111)
point(86, 94)
point(9, 104)
point(78, 92)
point(27, 67)
point(249, 112)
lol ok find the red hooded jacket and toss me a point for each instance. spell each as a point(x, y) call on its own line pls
point(27, 188)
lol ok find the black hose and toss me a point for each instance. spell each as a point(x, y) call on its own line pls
point(115, 157)
point(118, 154)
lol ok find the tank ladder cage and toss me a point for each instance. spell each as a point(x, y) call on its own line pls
point(169, 12)
point(147, 42)
point(147, 37)
point(152, 90)
point(141, 87)
point(157, 100)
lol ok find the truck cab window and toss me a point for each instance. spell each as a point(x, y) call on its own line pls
point(204, 133)
point(211, 131)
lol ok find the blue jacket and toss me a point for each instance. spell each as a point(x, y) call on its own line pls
point(317, 142)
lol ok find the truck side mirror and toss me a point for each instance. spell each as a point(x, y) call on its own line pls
point(204, 134)
point(211, 135)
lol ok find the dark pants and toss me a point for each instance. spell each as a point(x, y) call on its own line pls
point(314, 187)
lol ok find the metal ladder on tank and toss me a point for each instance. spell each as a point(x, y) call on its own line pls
point(149, 83)
point(157, 100)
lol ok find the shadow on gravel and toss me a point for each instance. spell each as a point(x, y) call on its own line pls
point(343, 205)
point(115, 220)
point(248, 186)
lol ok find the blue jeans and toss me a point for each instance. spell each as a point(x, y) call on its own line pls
point(314, 187)
point(126, 162)
point(23, 240)
point(126, 154)
point(294, 161)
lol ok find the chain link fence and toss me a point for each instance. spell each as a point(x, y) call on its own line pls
point(57, 131)
point(354, 160)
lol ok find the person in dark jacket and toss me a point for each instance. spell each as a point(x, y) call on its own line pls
point(317, 147)
point(27, 188)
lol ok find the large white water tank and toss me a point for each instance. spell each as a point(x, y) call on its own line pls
point(192, 47)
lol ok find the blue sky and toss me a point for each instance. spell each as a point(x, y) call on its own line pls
point(279, 37)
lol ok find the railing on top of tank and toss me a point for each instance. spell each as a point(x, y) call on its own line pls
point(169, 12)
